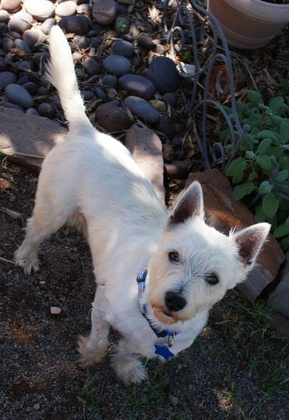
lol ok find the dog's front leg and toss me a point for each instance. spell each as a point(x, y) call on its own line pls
point(127, 365)
point(94, 347)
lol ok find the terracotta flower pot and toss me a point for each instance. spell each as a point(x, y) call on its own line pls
point(249, 24)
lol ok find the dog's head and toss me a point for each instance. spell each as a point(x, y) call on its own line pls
point(195, 264)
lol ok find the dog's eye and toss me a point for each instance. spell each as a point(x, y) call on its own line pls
point(174, 256)
point(212, 279)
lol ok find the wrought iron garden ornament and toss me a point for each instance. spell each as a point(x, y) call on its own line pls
point(195, 28)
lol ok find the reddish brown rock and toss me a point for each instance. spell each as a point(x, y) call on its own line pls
point(178, 169)
point(146, 149)
point(112, 118)
point(224, 213)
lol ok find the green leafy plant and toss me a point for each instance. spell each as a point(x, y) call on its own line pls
point(260, 171)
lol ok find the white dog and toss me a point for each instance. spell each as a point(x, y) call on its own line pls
point(158, 274)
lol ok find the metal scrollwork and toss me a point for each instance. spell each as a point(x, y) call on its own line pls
point(194, 30)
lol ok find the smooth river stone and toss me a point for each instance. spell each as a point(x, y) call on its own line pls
point(67, 8)
point(78, 25)
point(11, 6)
point(39, 9)
point(142, 109)
point(6, 78)
point(116, 64)
point(104, 12)
point(19, 96)
point(20, 22)
point(137, 85)
point(122, 47)
point(164, 75)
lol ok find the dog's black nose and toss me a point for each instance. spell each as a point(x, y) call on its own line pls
point(174, 302)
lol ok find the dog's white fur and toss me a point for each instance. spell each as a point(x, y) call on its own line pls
point(128, 230)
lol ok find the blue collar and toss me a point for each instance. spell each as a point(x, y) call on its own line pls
point(159, 350)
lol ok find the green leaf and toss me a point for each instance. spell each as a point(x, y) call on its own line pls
point(287, 222)
point(236, 167)
point(276, 105)
point(254, 97)
point(248, 142)
point(284, 132)
point(253, 176)
point(264, 162)
point(259, 214)
point(284, 243)
point(265, 188)
point(242, 190)
point(250, 155)
point(268, 134)
point(276, 119)
point(264, 145)
point(270, 205)
point(282, 176)
point(284, 162)
point(281, 230)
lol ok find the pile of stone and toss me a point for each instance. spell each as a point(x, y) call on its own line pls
point(114, 77)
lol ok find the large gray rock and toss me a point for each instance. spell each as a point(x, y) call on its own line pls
point(279, 300)
point(146, 148)
point(27, 139)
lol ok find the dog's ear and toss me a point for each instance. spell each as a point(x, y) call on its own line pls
point(250, 241)
point(188, 204)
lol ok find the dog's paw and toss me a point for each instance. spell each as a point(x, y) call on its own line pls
point(27, 263)
point(89, 354)
point(128, 369)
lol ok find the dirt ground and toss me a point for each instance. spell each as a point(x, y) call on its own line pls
point(237, 369)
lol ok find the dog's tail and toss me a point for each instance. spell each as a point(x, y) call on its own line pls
point(61, 73)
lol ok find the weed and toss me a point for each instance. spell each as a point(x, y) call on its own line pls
point(4, 173)
point(141, 397)
point(91, 393)
point(260, 172)
point(244, 322)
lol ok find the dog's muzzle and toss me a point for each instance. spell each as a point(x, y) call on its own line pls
point(174, 303)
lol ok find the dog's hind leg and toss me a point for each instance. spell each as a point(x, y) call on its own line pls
point(94, 347)
point(127, 365)
point(45, 220)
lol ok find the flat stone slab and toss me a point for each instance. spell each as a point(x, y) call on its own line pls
point(281, 323)
point(27, 139)
point(279, 298)
point(223, 213)
point(146, 148)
